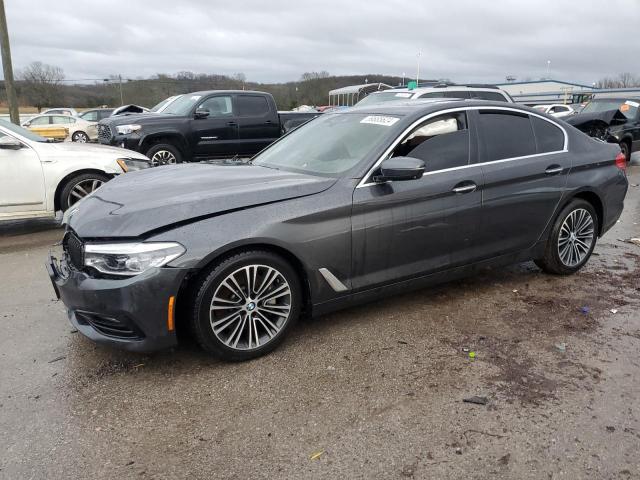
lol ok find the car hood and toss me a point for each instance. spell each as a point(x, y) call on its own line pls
point(140, 202)
point(610, 117)
point(65, 149)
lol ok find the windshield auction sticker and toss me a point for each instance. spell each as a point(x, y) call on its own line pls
point(380, 120)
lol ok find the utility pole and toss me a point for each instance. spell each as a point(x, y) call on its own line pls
point(120, 81)
point(12, 99)
point(418, 72)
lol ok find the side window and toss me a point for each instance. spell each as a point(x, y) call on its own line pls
point(441, 142)
point(506, 135)
point(217, 106)
point(60, 119)
point(251, 106)
point(549, 138)
point(446, 94)
point(40, 121)
point(90, 116)
point(493, 96)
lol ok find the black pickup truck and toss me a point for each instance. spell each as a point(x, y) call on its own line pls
point(203, 125)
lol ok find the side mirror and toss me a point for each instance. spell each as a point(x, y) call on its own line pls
point(399, 169)
point(10, 143)
point(26, 124)
point(201, 113)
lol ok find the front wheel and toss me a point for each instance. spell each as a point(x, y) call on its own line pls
point(79, 187)
point(164, 154)
point(572, 239)
point(80, 137)
point(626, 151)
point(246, 304)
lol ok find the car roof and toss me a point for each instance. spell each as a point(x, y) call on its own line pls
point(208, 92)
point(421, 107)
point(460, 88)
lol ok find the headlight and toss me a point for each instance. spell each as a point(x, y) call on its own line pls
point(127, 129)
point(130, 258)
point(132, 164)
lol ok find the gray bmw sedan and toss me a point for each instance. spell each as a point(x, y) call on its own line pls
point(350, 206)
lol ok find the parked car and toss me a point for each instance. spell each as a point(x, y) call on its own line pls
point(557, 110)
point(445, 90)
point(348, 207)
point(613, 120)
point(38, 178)
point(201, 125)
point(96, 114)
point(60, 111)
point(80, 130)
point(161, 106)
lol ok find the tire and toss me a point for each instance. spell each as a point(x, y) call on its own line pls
point(224, 326)
point(76, 188)
point(626, 151)
point(164, 154)
point(80, 137)
point(574, 218)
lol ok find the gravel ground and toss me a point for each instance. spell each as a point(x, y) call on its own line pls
point(371, 392)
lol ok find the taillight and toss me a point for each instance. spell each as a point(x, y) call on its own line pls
point(621, 162)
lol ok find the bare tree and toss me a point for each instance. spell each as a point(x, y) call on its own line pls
point(623, 80)
point(41, 84)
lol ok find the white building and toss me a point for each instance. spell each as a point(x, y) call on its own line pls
point(547, 91)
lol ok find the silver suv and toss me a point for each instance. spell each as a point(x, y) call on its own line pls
point(477, 92)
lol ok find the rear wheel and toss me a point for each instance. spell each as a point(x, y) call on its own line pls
point(245, 305)
point(572, 239)
point(164, 154)
point(79, 187)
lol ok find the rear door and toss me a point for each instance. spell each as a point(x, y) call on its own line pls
point(525, 167)
point(257, 123)
point(411, 228)
point(217, 134)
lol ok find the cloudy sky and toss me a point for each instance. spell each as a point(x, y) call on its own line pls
point(277, 40)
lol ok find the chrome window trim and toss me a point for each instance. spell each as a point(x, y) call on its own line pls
point(395, 143)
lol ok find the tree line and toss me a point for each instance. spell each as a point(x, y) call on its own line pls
point(40, 85)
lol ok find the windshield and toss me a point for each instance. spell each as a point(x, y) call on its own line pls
point(328, 145)
point(183, 105)
point(28, 134)
point(163, 103)
point(629, 108)
point(384, 97)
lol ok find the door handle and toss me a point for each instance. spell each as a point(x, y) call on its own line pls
point(553, 169)
point(232, 124)
point(269, 122)
point(47, 161)
point(465, 187)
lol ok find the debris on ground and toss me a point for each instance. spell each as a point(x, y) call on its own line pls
point(614, 310)
point(633, 240)
point(316, 455)
point(472, 355)
point(57, 359)
point(561, 347)
point(477, 400)
point(585, 310)
point(611, 428)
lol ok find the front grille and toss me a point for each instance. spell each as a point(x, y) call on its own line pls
point(74, 249)
point(104, 133)
point(108, 326)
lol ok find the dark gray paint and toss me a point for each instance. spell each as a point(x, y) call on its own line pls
point(376, 239)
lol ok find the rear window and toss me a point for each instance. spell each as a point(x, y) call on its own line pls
point(251, 106)
point(506, 135)
point(549, 138)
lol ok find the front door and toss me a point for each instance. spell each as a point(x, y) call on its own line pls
point(21, 179)
point(411, 228)
point(525, 169)
point(215, 136)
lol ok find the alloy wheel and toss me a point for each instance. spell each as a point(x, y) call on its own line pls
point(250, 307)
point(80, 137)
point(82, 189)
point(576, 237)
point(163, 157)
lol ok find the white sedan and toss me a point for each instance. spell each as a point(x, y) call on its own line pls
point(39, 178)
point(557, 110)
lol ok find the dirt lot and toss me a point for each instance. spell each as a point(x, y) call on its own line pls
point(371, 392)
